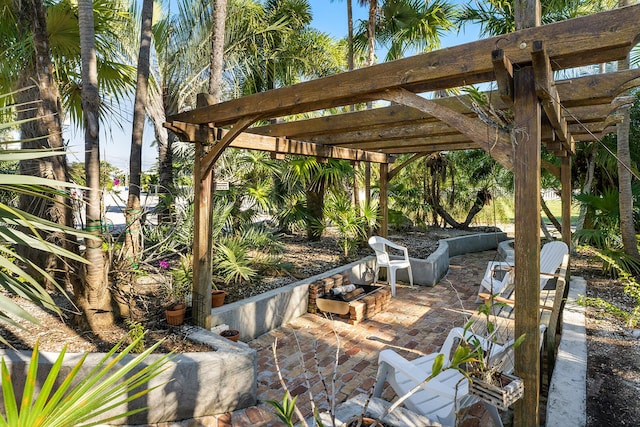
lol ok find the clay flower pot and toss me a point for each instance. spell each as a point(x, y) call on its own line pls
point(175, 314)
point(217, 297)
point(231, 334)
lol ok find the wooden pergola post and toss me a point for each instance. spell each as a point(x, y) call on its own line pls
point(565, 196)
point(384, 199)
point(202, 243)
point(526, 170)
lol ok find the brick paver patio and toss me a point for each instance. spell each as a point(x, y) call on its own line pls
point(416, 322)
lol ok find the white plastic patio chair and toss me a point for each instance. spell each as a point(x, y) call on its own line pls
point(551, 256)
point(383, 259)
point(440, 397)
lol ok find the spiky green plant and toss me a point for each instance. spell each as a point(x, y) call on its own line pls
point(18, 228)
point(80, 401)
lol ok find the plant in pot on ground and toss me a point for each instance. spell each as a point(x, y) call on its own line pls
point(177, 290)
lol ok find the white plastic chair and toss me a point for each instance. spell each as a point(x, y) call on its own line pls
point(551, 256)
point(383, 259)
point(438, 398)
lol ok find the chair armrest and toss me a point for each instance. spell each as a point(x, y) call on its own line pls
point(399, 247)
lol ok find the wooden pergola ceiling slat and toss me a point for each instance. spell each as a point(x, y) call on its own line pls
point(601, 37)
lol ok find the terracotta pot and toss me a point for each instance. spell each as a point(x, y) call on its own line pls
point(366, 421)
point(217, 298)
point(175, 314)
point(231, 334)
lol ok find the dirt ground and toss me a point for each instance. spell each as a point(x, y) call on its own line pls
point(613, 368)
point(613, 352)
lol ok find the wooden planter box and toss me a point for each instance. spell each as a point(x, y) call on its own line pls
point(504, 393)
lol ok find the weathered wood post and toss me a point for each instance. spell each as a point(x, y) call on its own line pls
point(526, 169)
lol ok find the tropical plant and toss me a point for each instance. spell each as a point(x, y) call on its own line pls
point(23, 229)
point(92, 293)
point(409, 25)
point(66, 400)
point(339, 212)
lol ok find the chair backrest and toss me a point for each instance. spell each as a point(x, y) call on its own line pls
point(378, 243)
point(551, 256)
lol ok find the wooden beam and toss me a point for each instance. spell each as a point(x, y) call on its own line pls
point(202, 244)
point(503, 69)
point(389, 132)
point(227, 138)
point(393, 172)
point(548, 93)
point(566, 195)
point(526, 171)
point(496, 142)
point(569, 43)
point(553, 169)
point(275, 145)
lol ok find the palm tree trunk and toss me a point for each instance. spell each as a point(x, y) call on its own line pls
point(627, 226)
point(350, 64)
point(133, 234)
point(93, 294)
point(46, 132)
point(217, 50)
point(371, 32)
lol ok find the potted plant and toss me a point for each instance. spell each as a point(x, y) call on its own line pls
point(177, 290)
point(232, 334)
point(217, 295)
point(489, 365)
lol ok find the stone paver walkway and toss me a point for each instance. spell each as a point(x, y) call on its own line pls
point(416, 322)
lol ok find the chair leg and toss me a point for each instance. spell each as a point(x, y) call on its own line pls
point(494, 414)
point(375, 277)
point(381, 377)
point(392, 280)
point(410, 276)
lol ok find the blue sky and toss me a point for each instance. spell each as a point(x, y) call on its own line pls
point(328, 16)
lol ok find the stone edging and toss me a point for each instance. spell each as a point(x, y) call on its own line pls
point(567, 403)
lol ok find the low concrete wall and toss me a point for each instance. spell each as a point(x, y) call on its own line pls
point(193, 385)
point(261, 313)
point(429, 271)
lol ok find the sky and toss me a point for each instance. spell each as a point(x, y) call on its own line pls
point(329, 16)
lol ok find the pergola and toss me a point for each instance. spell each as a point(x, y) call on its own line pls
point(556, 114)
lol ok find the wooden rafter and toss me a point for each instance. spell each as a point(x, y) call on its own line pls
point(498, 144)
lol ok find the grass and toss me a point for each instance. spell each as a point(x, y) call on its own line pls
point(501, 210)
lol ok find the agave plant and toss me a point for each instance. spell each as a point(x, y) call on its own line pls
point(79, 401)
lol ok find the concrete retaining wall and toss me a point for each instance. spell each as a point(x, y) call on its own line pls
point(261, 313)
point(193, 385)
point(429, 271)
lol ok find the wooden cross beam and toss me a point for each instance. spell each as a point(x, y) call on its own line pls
point(250, 141)
point(569, 43)
point(495, 141)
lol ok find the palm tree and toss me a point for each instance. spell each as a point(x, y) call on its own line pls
point(217, 50)
point(133, 236)
point(94, 297)
point(410, 24)
point(46, 132)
